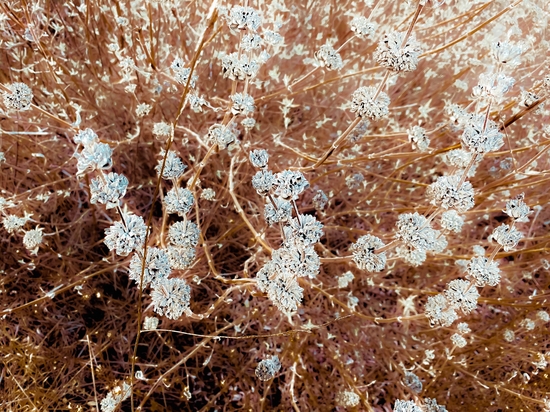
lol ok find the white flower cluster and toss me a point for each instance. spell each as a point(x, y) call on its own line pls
point(239, 68)
point(365, 256)
point(517, 209)
point(481, 135)
point(183, 237)
point(492, 87)
point(413, 382)
point(362, 27)
point(459, 294)
point(419, 139)
point(418, 237)
point(20, 97)
point(171, 297)
point(347, 399)
point(446, 193)
point(222, 135)
point(396, 53)
point(329, 58)
point(364, 103)
point(115, 397)
point(267, 368)
point(181, 73)
point(243, 18)
point(179, 200)
point(243, 104)
point(173, 167)
point(430, 404)
point(94, 155)
point(125, 236)
point(33, 239)
point(506, 236)
point(108, 189)
point(406, 406)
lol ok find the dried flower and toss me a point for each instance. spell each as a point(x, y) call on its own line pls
point(184, 233)
point(20, 97)
point(125, 236)
point(483, 272)
point(396, 53)
point(364, 103)
point(517, 209)
point(419, 139)
point(157, 266)
point(506, 236)
point(364, 254)
point(348, 399)
point(263, 181)
point(33, 239)
point(329, 58)
point(173, 167)
point(259, 158)
point(108, 189)
point(362, 27)
point(461, 294)
point(458, 340)
point(413, 382)
point(446, 193)
point(171, 297)
point(179, 200)
point(290, 184)
point(267, 368)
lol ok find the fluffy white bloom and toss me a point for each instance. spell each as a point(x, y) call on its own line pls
point(171, 297)
point(452, 221)
point(243, 104)
point(173, 167)
point(259, 158)
point(179, 200)
point(263, 181)
point(157, 266)
point(267, 368)
point(463, 328)
point(180, 257)
point(94, 156)
point(20, 97)
point(239, 68)
point(12, 223)
point(506, 236)
point(242, 18)
point(124, 237)
point(364, 104)
point(517, 209)
point(307, 230)
point(329, 58)
point(362, 27)
point(438, 311)
point(458, 340)
point(162, 129)
point(406, 406)
point(507, 53)
point(282, 212)
point(461, 294)
point(86, 137)
point(492, 86)
point(290, 184)
point(33, 239)
point(396, 54)
point(320, 200)
point(184, 233)
point(419, 139)
point(413, 382)
point(108, 189)
point(150, 323)
point(414, 230)
point(348, 399)
point(481, 139)
point(446, 193)
point(221, 135)
point(364, 254)
point(114, 398)
point(483, 272)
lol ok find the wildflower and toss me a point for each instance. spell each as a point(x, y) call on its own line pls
point(290, 184)
point(267, 368)
point(413, 382)
point(86, 137)
point(446, 193)
point(251, 41)
point(365, 104)
point(108, 189)
point(94, 156)
point(157, 266)
point(115, 397)
point(517, 209)
point(181, 73)
point(143, 109)
point(173, 166)
point(320, 200)
point(364, 254)
point(272, 38)
point(419, 139)
point(412, 256)
point(348, 399)
point(406, 406)
point(171, 297)
point(248, 123)
point(506, 236)
point(263, 181)
point(452, 221)
point(150, 323)
point(396, 53)
point(162, 129)
point(295, 261)
point(242, 104)
point(461, 294)
point(327, 57)
point(430, 405)
point(124, 237)
point(463, 328)
point(362, 27)
point(528, 98)
point(438, 311)
point(259, 158)
point(239, 68)
point(20, 97)
point(458, 157)
point(458, 340)
point(13, 223)
point(483, 272)
point(543, 316)
point(509, 335)
point(179, 201)
point(345, 279)
point(223, 136)
point(414, 230)
point(208, 194)
point(282, 212)
point(33, 239)
point(354, 181)
point(180, 257)
point(306, 230)
point(285, 293)
point(507, 53)
point(493, 86)
point(184, 233)
point(482, 136)
point(242, 18)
